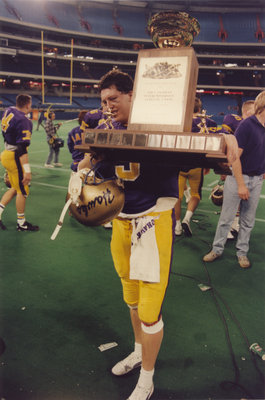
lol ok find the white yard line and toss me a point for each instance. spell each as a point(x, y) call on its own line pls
point(49, 185)
point(57, 169)
point(213, 183)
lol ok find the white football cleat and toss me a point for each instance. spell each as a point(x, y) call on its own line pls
point(126, 365)
point(141, 393)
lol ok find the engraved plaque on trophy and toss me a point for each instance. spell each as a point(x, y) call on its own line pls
point(166, 77)
point(164, 90)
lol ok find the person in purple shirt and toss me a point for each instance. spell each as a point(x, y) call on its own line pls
point(17, 131)
point(244, 186)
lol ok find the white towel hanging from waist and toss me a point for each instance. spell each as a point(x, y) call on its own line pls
point(144, 260)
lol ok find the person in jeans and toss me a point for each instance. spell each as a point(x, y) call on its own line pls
point(229, 126)
point(51, 131)
point(243, 188)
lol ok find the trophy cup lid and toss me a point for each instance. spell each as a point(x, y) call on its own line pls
point(173, 29)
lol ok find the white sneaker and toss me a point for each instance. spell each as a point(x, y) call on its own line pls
point(108, 225)
point(141, 393)
point(235, 225)
point(187, 194)
point(178, 229)
point(57, 164)
point(230, 235)
point(48, 166)
point(133, 360)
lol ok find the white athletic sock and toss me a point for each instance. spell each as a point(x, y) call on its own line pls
point(2, 207)
point(138, 348)
point(20, 218)
point(188, 216)
point(146, 378)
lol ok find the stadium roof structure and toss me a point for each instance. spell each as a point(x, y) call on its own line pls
point(180, 5)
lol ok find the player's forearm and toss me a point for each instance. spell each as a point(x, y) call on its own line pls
point(85, 163)
point(237, 172)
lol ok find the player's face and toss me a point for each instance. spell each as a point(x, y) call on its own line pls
point(119, 103)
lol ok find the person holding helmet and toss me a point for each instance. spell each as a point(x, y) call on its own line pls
point(147, 219)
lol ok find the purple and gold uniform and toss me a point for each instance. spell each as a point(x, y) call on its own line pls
point(197, 125)
point(150, 194)
point(91, 120)
point(74, 138)
point(17, 131)
point(230, 123)
point(195, 175)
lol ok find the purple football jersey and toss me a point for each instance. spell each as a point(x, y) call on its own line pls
point(197, 125)
point(16, 127)
point(230, 123)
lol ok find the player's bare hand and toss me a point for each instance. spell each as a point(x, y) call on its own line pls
point(26, 178)
point(243, 192)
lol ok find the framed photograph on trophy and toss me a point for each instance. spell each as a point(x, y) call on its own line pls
point(164, 90)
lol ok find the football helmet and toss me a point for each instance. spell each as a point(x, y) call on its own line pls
point(217, 195)
point(100, 199)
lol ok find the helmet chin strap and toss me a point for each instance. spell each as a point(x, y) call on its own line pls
point(60, 222)
point(74, 189)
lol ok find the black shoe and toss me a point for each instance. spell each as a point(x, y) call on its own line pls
point(2, 226)
point(27, 226)
point(186, 228)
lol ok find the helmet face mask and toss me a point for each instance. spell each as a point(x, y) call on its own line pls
point(217, 195)
point(100, 201)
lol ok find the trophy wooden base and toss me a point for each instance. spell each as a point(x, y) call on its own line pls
point(185, 149)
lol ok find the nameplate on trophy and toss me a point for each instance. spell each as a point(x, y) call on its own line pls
point(137, 146)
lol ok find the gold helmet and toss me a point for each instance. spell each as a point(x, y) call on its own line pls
point(217, 195)
point(100, 200)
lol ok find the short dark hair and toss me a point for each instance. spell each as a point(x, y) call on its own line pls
point(22, 100)
point(197, 105)
point(116, 77)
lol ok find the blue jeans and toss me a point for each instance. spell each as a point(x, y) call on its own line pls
point(230, 206)
point(52, 152)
